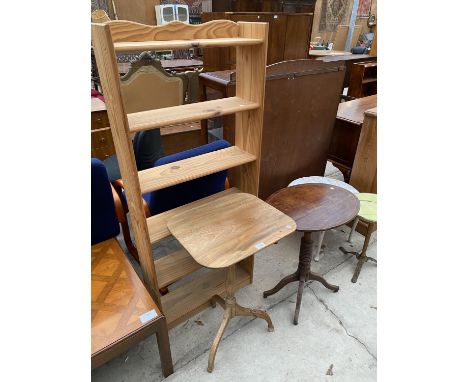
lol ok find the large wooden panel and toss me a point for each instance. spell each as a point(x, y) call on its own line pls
point(298, 34)
point(364, 172)
point(301, 101)
point(140, 11)
point(288, 36)
point(347, 131)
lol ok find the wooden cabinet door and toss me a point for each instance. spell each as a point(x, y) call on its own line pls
point(298, 34)
point(276, 36)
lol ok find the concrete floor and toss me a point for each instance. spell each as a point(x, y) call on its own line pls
point(336, 339)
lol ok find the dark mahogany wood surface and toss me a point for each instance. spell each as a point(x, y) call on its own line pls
point(316, 207)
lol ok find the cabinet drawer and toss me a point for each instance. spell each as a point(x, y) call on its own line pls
point(102, 145)
point(99, 120)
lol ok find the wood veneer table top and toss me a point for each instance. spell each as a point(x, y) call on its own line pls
point(316, 207)
point(353, 111)
point(223, 232)
point(120, 303)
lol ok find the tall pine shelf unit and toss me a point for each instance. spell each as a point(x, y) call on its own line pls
point(250, 40)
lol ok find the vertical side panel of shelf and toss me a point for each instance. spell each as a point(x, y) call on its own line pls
point(110, 80)
point(250, 85)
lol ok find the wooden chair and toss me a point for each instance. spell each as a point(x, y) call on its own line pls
point(122, 311)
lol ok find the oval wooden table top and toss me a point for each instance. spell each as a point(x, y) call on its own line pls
point(223, 232)
point(316, 207)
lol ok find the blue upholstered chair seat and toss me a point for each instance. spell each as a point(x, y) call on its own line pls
point(104, 222)
point(178, 195)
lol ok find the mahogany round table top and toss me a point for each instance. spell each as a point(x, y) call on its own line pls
point(316, 207)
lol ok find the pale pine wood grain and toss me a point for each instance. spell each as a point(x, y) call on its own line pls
point(250, 84)
point(157, 224)
point(157, 178)
point(174, 266)
point(193, 297)
point(184, 44)
point(110, 81)
point(185, 301)
point(150, 119)
point(125, 31)
point(229, 229)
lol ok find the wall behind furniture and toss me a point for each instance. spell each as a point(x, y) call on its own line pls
point(328, 34)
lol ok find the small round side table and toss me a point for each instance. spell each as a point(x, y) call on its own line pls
point(368, 214)
point(314, 207)
point(322, 180)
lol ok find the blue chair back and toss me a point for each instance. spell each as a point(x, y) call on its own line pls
point(180, 194)
point(148, 148)
point(104, 223)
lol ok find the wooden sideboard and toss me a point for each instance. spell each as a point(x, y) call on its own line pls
point(347, 132)
point(349, 60)
point(288, 37)
point(363, 79)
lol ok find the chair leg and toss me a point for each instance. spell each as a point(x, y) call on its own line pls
point(164, 347)
point(357, 271)
point(353, 228)
point(319, 247)
point(362, 257)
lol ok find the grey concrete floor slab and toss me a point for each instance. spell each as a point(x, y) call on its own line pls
point(335, 328)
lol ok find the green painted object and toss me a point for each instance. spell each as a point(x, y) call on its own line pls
point(368, 209)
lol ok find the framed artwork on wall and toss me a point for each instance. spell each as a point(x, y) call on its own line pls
point(364, 8)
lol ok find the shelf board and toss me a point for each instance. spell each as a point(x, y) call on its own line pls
point(174, 266)
point(145, 120)
point(170, 174)
point(369, 80)
point(188, 299)
point(157, 224)
point(132, 46)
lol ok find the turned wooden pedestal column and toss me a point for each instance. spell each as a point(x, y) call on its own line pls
point(314, 207)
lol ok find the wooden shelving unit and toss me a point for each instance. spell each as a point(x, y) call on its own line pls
point(363, 79)
point(250, 40)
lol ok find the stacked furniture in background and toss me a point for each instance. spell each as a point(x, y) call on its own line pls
point(363, 79)
point(301, 101)
point(122, 311)
point(148, 86)
point(349, 60)
point(347, 132)
point(289, 37)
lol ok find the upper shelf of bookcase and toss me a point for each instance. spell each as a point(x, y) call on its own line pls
point(130, 36)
